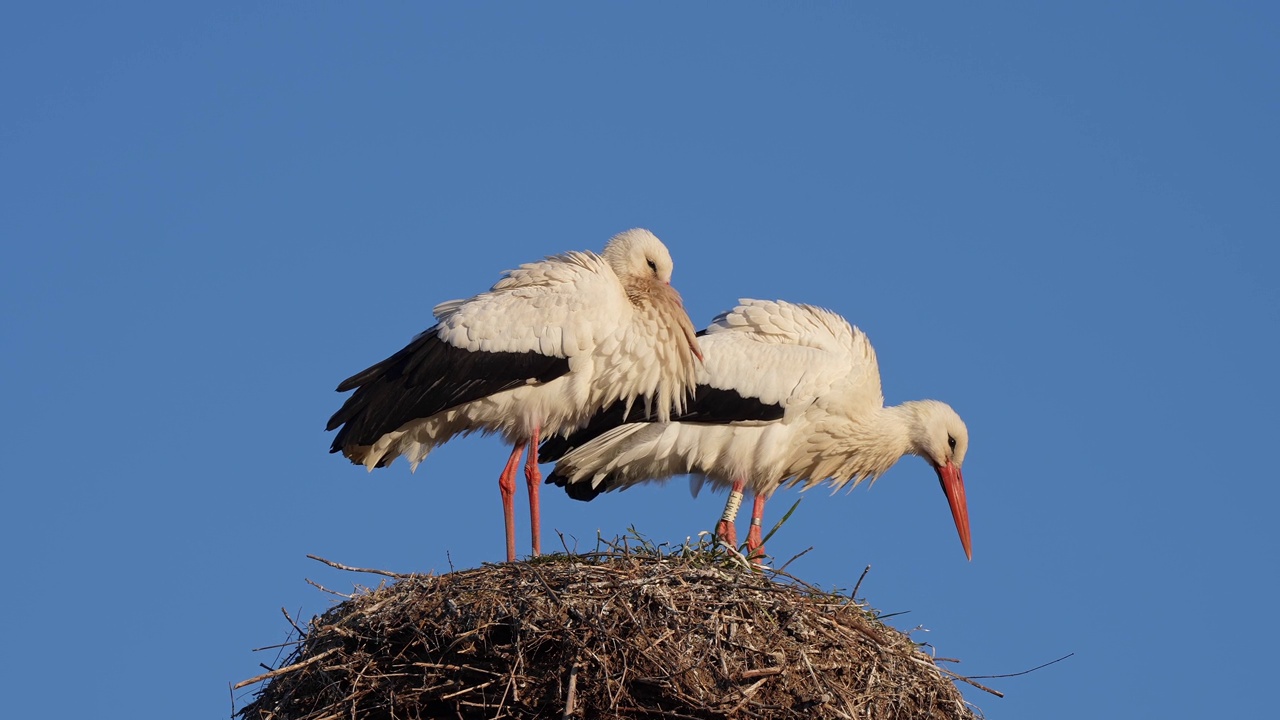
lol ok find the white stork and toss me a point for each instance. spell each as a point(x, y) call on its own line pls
point(549, 345)
point(788, 394)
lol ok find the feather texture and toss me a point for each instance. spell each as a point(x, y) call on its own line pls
point(551, 343)
point(810, 362)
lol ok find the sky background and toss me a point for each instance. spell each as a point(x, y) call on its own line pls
point(1063, 221)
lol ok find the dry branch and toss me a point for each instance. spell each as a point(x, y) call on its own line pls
point(286, 669)
point(371, 571)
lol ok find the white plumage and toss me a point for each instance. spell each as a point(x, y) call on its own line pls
point(830, 424)
point(546, 347)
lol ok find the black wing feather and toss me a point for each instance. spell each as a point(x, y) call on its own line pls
point(583, 491)
point(710, 405)
point(713, 406)
point(430, 376)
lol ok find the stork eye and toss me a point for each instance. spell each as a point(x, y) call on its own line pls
point(653, 266)
point(952, 442)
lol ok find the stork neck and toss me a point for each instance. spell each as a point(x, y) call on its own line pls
point(874, 442)
point(892, 429)
point(909, 419)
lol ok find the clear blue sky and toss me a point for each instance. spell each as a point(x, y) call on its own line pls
point(1062, 221)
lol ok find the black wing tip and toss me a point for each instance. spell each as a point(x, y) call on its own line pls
point(393, 362)
point(710, 405)
point(552, 449)
point(353, 382)
point(429, 376)
point(581, 491)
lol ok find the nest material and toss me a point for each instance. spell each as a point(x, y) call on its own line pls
point(616, 634)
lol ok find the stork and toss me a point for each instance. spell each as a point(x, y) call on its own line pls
point(788, 395)
point(549, 345)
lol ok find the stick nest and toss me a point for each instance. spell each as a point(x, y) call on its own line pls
point(622, 633)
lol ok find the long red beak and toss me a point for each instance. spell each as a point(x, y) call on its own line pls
point(953, 485)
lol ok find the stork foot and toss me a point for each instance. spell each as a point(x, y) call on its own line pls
point(727, 533)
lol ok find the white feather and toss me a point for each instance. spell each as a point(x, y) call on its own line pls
point(822, 370)
point(614, 317)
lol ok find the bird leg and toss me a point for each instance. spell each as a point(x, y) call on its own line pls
point(725, 531)
point(755, 546)
point(507, 486)
point(534, 479)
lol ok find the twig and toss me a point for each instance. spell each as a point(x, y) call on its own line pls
point(464, 691)
point(572, 694)
point(348, 568)
point(291, 622)
point(554, 595)
point(759, 672)
point(798, 582)
point(1024, 672)
point(511, 683)
point(322, 588)
point(565, 545)
point(809, 665)
point(437, 666)
point(746, 696)
point(737, 557)
point(511, 680)
point(287, 643)
point(978, 685)
point(287, 668)
point(801, 554)
point(871, 635)
point(955, 675)
point(857, 585)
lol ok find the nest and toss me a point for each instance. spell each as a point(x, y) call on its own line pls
point(618, 633)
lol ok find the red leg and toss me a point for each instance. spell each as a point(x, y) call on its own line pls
point(534, 479)
point(755, 546)
point(725, 530)
point(507, 486)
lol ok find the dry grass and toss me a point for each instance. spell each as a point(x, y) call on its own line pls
point(623, 632)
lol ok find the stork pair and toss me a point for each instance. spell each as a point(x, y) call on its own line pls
point(595, 354)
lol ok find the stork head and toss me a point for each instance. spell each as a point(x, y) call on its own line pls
point(637, 257)
point(644, 266)
point(941, 438)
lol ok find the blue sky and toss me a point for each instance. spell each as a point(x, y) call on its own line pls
point(1061, 221)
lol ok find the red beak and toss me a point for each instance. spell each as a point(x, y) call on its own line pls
point(953, 485)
